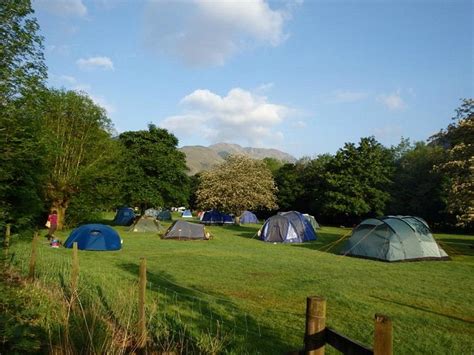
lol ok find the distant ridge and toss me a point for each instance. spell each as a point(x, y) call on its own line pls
point(200, 158)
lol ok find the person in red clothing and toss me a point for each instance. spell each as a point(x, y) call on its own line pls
point(53, 224)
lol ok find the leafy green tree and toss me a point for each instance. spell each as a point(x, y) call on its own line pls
point(458, 166)
point(358, 179)
point(77, 134)
point(155, 169)
point(290, 186)
point(22, 73)
point(238, 184)
point(417, 188)
point(273, 164)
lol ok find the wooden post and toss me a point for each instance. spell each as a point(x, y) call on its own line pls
point(6, 243)
point(315, 325)
point(383, 339)
point(141, 305)
point(75, 270)
point(31, 273)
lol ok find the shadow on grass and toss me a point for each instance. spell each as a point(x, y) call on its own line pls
point(202, 309)
point(244, 231)
point(456, 247)
point(468, 320)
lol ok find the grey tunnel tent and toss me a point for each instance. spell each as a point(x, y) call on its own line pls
point(394, 238)
point(185, 230)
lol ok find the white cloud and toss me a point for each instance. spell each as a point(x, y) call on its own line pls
point(392, 101)
point(299, 124)
point(205, 32)
point(240, 116)
point(102, 102)
point(346, 96)
point(95, 62)
point(62, 7)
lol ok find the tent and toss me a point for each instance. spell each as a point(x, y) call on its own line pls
point(312, 221)
point(216, 217)
point(164, 215)
point(187, 214)
point(248, 217)
point(145, 224)
point(393, 238)
point(94, 237)
point(124, 216)
point(185, 230)
point(287, 227)
point(151, 212)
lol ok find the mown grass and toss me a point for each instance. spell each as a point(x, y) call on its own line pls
point(245, 296)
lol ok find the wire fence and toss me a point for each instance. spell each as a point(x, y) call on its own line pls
point(115, 295)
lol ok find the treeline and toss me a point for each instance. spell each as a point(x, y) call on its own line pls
point(58, 150)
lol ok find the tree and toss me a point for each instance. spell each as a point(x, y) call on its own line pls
point(358, 179)
point(22, 73)
point(458, 139)
point(77, 134)
point(155, 169)
point(417, 188)
point(238, 184)
point(290, 186)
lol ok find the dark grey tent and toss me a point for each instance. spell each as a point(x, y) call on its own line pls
point(186, 231)
point(164, 215)
point(145, 225)
point(394, 238)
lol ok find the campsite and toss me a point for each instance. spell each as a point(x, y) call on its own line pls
point(236, 177)
point(254, 292)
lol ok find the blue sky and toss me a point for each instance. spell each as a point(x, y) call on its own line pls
point(301, 76)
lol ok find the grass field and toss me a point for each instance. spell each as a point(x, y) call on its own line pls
point(250, 296)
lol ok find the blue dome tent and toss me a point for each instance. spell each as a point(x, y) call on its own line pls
point(287, 227)
point(94, 237)
point(187, 214)
point(248, 217)
point(216, 217)
point(124, 216)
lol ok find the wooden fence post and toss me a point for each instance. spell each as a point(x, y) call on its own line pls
point(7, 236)
point(31, 272)
point(141, 304)
point(315, 325)
point(75, 270)
point(383, 339)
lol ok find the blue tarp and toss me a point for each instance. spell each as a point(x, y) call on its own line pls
point(124, 216)
point(94, 237)
point(248, 217)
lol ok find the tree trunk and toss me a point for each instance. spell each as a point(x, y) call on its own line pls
point(60, 207)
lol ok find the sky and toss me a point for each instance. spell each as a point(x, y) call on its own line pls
point(304, 77)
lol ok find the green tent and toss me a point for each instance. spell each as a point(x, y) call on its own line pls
point(164, 215)
point(394, 238)
point(312, 221)
point(183, 230)
point(145, 225)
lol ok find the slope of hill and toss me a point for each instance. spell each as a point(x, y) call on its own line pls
point(199, 158)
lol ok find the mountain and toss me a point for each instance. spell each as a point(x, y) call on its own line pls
point(199, 158)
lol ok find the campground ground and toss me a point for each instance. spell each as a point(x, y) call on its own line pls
point(255, 292)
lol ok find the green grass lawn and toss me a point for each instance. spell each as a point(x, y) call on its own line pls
point(254, 293)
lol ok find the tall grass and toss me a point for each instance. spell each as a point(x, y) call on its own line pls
point(235, 294)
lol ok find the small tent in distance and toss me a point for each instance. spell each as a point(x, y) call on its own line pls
point(248, 217)
point(124, 216)
point(287, 227)
point(394, 238)
point(94, 237)
point(183, 230)
point(312, 221)
point(187, 214)
point(164, 215)
point(145, 225)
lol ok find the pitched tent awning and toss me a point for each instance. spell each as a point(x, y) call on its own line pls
point(393, 238)
point(186, 231)
point(287, 227)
